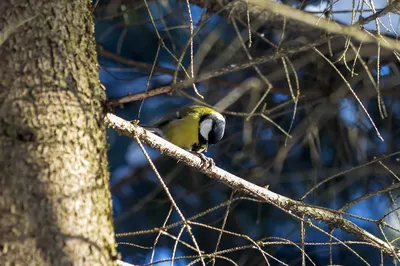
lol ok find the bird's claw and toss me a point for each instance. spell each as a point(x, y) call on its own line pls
point(206, 161)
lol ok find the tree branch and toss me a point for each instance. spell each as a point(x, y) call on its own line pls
point(143, 66)
point(329, 26)
point(272, 12)
point(122, 263)
point(293, 207)
point(216, 73)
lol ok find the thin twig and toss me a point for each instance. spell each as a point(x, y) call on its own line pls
point(187, 226)
point(327, 25)
point(291, 206)
point(212, 74)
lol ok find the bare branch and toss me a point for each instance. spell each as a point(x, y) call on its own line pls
point(268, 11)
point(331, 217)
point(215, 73)
point(122, 263)
point(329, 26)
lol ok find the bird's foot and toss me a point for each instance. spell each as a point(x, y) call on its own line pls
point(205, 161)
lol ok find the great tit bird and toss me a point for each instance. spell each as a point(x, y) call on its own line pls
point(194, 128)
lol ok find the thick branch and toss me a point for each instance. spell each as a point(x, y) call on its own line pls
point(298, 208)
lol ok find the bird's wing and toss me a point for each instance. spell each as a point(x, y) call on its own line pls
point(166, 119)
point(171, 117)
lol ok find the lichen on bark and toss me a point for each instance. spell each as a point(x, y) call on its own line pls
point(54, 197)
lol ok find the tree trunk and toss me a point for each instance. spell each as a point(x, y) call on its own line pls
point(54, 197)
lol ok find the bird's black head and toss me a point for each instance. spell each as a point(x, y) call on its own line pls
point(212, 128)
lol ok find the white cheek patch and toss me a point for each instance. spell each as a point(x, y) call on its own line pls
point(219, 116)
point(205, 128)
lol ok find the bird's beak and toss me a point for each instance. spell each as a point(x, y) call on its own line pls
point(206, 147)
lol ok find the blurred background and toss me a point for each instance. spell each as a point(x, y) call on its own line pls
point(292, 123)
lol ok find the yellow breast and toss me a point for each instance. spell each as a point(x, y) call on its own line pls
point(183, 132)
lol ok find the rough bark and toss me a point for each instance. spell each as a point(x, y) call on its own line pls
point(54, 197)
